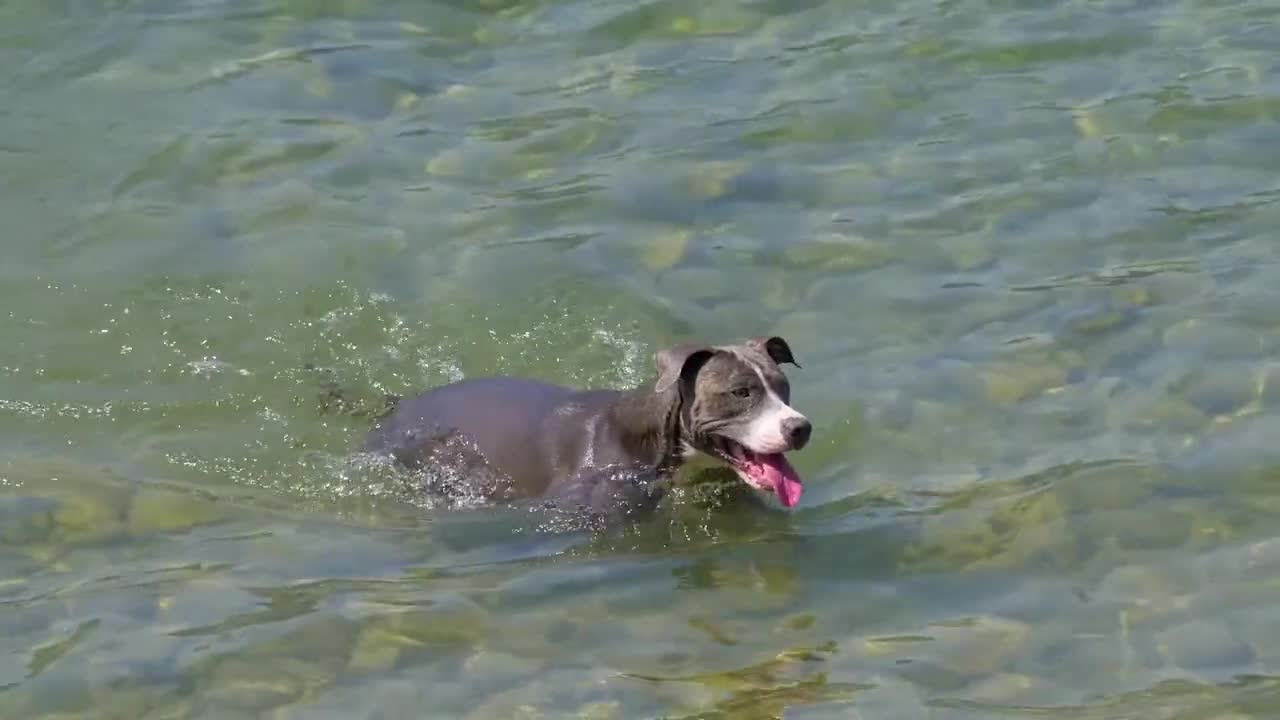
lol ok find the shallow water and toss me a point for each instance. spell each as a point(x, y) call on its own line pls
point(1021, 250)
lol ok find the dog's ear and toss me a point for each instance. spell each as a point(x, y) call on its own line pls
point(679, 362)
point(776, 348)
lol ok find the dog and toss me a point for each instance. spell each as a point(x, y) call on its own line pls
point(606, 452)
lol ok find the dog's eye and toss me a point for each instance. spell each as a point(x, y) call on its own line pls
point(742, 392)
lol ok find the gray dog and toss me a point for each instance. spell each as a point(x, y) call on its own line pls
point(609, 452)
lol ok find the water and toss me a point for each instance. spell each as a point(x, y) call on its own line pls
point(1025, 252)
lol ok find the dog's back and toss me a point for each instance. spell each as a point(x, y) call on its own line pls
point(507, 420)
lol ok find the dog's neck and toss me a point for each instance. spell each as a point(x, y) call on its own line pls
point(649, 426)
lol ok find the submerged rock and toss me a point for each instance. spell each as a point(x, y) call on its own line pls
point(1152, 528)
point(1260, 628)
point(88, 501)
point(1032, 528)
point(154, 510)
point(1203, 644)
point(1268, 384)
point(715, 179)
point(88, 514)
point(1088, 660)
point(1154, 411)
point(1011, 383)
point(838, 253)
point(547, 696)
point(179, 710)
point(1117, 486)
point(1209, 340)
point(1004, 688)
point(394, 639)
point(132, 701)
point(254, 684)
point(1145, 584)
point(888, 697)
point(1217, 390)
point(700, 284)
point(25, 519)
point(978, 646)
point(599, 710)
point(1102, 321)
point(667, 250)
point(499, 669)
point(277, 671)
point(968, 253)
point(374, 651)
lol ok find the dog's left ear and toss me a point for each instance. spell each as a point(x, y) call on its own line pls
point(776, 348)
point(679, 362)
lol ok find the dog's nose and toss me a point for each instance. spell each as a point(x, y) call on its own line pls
point(796, 430)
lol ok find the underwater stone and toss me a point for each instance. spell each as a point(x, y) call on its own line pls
point(450, 162)
point(25, 520)
point(1155, 411)
point(1207, 340)
point(978, 646)
point(499, 668)
point(89, 515)
point(1003, 688)
point(888, 696)
point(1088, 660)
point(697, 284)
point(180, 710)
point(1152, 528)
point(244, 684)
point(1011, 383)
point(684, 25)
point(375, 650)
point(259, 683)
point(599, 710)
point(388, 641)
point(715, 179)
point(155, 510)
point(838, 253)
point(1139, 583)
point(131, 701)
point(1268, 384)
point(1203, 644)
point(802, 621)
point(553, 689)
point(970, 252)
point(1219, 390)
point(1102, 321)
point(1112, 487)
point(1260, 627)
point(666, 250)
point(1132, 295)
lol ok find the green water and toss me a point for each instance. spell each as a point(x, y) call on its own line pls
point(1021, 250)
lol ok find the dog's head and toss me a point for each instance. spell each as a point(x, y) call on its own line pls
point(734, 406)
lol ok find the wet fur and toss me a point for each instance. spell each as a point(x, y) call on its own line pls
point(607, 453)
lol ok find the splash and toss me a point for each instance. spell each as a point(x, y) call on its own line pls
point(313, 385)
point(246, 390)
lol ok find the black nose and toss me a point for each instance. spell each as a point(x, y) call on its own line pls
point(796, 431)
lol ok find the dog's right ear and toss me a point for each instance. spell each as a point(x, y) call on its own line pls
point(679, 362)
point(776, 348)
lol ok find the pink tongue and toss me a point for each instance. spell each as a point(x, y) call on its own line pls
point(774, 471)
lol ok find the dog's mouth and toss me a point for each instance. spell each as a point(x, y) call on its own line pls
point(770, 472)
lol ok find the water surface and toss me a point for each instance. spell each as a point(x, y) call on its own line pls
point(1021, 250)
